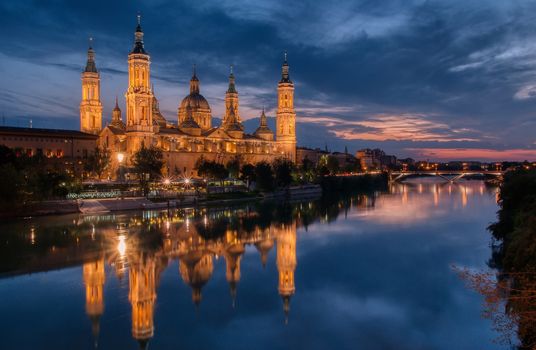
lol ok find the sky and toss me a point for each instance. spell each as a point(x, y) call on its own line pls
point(436, 79)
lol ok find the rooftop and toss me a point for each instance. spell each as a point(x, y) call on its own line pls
point(46, 132)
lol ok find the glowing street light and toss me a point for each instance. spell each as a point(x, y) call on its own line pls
point(120, 159)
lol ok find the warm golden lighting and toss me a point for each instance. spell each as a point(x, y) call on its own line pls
point(120, 157)
point(122, 246)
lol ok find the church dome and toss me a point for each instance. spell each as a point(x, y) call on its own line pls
point(195, 101)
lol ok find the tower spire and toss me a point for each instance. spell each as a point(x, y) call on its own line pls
point(232, 87)
point(285, 78)
point(263, 118)
point(138, 38)
point(194, 82)
point(90, 64)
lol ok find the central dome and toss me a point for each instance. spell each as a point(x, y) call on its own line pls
point(196, 105)
point(195, 101)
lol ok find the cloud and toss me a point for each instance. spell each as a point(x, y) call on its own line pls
point(403, 127)
point(474, 154)
point(416, 72)
point(525, 92)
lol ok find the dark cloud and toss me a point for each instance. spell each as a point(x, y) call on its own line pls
point(468, 66)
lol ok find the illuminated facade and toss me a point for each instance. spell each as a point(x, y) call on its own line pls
point(193, 135)
point(90, 106)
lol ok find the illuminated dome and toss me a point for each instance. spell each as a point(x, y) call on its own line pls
point(197, 105)
point(195, 101)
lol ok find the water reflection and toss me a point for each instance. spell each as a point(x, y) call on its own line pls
point(142, 246)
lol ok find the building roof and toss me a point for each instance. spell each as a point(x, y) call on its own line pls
point(13, 130)
point(116, 130)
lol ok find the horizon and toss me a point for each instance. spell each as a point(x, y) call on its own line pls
point(397, 76)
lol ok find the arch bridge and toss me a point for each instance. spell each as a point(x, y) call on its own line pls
point(447, 175)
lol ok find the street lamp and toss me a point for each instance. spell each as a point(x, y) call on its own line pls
point(120, 158)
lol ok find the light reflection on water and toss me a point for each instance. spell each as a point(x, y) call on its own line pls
point(368, 272)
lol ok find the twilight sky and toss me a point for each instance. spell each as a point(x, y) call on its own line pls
point(437, 79)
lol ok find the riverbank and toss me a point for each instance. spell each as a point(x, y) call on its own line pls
point(329, 185)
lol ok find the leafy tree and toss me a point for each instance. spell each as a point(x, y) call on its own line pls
point(211, 169)
point(233, 167)
point(98, 162)
point(332, 164)
point(307, 170)
point(264, 176)
point(283, 172)
point(148, 163)
point(247, 173)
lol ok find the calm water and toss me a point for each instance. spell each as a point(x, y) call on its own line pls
point(369, 272)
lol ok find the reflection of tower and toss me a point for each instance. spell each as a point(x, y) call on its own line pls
point(142, 296)
point(196, 270)
point(286, 263)
point(94, 278)
point(90, 106)
point(233, 255)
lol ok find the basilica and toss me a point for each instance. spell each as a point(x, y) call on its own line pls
point(193, 135)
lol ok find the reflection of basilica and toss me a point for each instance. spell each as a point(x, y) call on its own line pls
point(182, 241)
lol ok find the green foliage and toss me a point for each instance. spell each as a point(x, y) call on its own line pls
point(27, 179)
point(148, 164)
point(516, 225)
point(332, 165)
point(247, 173)
point(233, 167)
point(282, 169)
point(210, 169)
point(264, 176)
point(98, 162)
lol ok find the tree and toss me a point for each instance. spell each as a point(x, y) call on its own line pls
point(283, 172)
point(211, 169)
point(233, 167)
point(247, 173)
point(332, 165)
point(148, 163)
point(264, 176)
point(307, 170)
point(98, 162)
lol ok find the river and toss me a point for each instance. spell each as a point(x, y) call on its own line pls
point(374, 271)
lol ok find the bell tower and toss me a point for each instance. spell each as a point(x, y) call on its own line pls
point(139, 96)
point(286, 116)
point(90, 106)
point(231, 104)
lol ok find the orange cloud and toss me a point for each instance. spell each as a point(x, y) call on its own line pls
point(384, 127)
point(484, 154)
